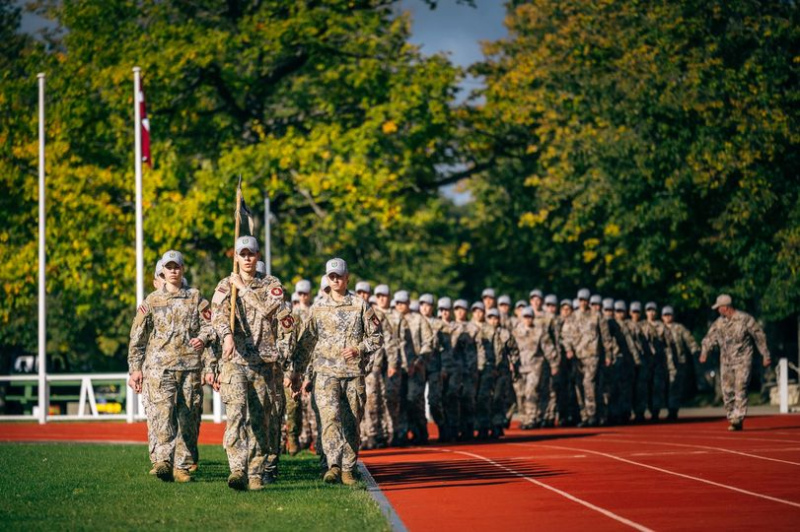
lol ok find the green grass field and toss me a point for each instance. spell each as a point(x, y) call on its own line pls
point(68, 486)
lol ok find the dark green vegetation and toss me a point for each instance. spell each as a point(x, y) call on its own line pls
point(648, 149)
point(106, 487)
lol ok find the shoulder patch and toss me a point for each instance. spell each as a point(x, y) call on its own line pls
point(222, 289)
point(276, 292)
point(143, 309)
point(287, 322)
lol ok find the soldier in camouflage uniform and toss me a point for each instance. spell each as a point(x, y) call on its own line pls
point(486, 371)
point(373, 426)
point(423, 346)
point(392, 372)
point(397, 372)
point(568, 408)
point(661, 351)
point(165, 359)
point(300, 425)
point(339, 337)
point(682, 346)
point(642, 367)
point(251, 373)
point(506, 355)
point(631, 355)
point(466, 344)
point(440, 359)
point(585, 342)
point(535, 338)
point(552, 369)
point(451, 373)
point(736, 335)
point(504, 306)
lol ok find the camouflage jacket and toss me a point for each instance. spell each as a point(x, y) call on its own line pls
point(486, 356)
point(392, 345)
point(255, 329)
point(534, 342)
point(655, 335)
point(442, 359)
point(466, 344)
point(587, 335)
point(505, 348)
point(333, 326)
point(682, 342)
point(422, 336)
point(630, 347)
point(164, 324)
point(736, 337)
point(379, 360)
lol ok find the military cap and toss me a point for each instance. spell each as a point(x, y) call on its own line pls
point(246, 242)
point(426, 298)
point(323, 283)
point(461, 303)
point(596, 299)
point(295, 297)
point(478, 305)
point(636, 306)
point(492, 313)
point(373, 300)
point(172, 256)
point(566, 302)
point(337, 266)
point(584, 293)
point(520, 303)
point(382, 290)
point(576, 304)
point(535, 293)
point(504, 300)
point(527, 312)
point(620, 305)
point(414, 305)
point(551, 299)
point(608, 304)
point(723, 300)
point(401, 296)
point(363, 286)
point(444, 303)
point(488, 292)
point(261, 267)
point(159, 268)
point(303, 286)
point(651, 306)
point(666, 311)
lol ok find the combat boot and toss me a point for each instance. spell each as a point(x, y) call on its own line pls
point(152, 470)
point(237, 480)
point(483, 434)
point(192, 468)
point(333, 475)
point(673, 415)
point(292, 446)
point(255, 484)
point(164, 471)
point(735, 426)
point(270, 477)
point(182, 476)
point(348, 479)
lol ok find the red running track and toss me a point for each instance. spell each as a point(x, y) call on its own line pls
point(693, 475)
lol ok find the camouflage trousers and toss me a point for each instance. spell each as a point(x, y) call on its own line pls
point(502, 385)
point(676, 375)
point(435, 398)
point(451, 393)
point(735, 378)
point(415, 405)
point(253, 402)
point(641, 378)
point(535, 383)
point(294, 416)
point(308, 433)
point(396, 390)
point(518, 385)
point(469, 388)
point(483, 399)
point(376, 423)
point(340, 401)
point(657, 384)
point(277, 414)
point(173, 400)
point(586, 386)
point(550, 393)
point(616, 386)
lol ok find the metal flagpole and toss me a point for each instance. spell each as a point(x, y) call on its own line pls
point(267, 238)
point(43, 395)
point(137, 114)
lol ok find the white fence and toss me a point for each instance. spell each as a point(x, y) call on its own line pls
point(132, 409)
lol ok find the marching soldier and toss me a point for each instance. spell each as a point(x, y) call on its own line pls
point(682, 346)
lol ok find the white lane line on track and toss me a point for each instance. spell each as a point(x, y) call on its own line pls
point(667, 471)
point(710, 437)
point(706, 447)
point(564, 494)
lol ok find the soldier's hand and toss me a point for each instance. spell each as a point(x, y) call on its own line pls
point(227, 347)
point(767, 362)
point(391, 372)
point(350, 353)
point(135, 381)
point(237, 281)
point(307, 387)
point(197, 344)
point(287, 382)
point(554, 371)
point(608, 362)
point(209, 379)
point(216, 383)
point(703, 358)
point(570, 354)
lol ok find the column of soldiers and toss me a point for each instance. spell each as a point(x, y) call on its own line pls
point(356, 370)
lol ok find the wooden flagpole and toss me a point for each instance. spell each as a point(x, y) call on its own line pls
point(235, 262)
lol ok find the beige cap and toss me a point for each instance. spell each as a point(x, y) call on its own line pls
point(723, 300)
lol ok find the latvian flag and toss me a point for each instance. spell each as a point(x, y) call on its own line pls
point(145, 130)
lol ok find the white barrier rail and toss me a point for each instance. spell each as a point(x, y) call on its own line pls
point(133, 409)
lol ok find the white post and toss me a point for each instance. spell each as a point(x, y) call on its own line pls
point(217, 404)
point(137, 135)
point(43, 395)
point(267, 237)
point(783, 384)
